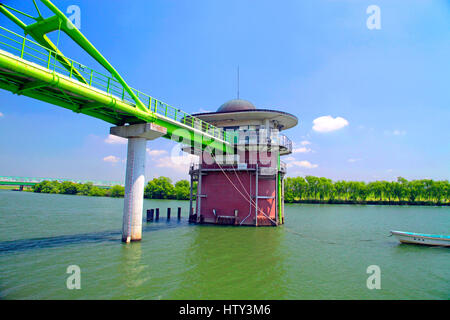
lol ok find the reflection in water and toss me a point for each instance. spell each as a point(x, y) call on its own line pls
point(130, 269)
point(243, 262)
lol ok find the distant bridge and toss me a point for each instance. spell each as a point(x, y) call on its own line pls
point(28, 181)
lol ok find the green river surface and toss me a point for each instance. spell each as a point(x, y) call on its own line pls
point(322, 252)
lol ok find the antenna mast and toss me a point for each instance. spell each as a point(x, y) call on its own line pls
point(238, 82)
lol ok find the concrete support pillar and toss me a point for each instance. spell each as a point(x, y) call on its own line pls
point(134, 190)
point(137, 135)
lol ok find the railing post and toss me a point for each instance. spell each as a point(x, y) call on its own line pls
point(23, 48)
point(107, 87)
point(165, 112)
point(156, 105)
point(49, 58)
point(150, 103)
point(71, 69)
point(176, 114)
point(92, 75)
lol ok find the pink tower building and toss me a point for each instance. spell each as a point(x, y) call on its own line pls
point(245, 188)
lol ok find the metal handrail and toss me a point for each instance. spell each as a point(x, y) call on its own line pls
point(48, 59)
point(261, 137)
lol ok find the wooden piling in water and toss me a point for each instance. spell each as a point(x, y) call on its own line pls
point(168, 213)
point(150, 214)
point(179, 213)
point(157, 214)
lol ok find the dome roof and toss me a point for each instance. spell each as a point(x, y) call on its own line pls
point(236, 105)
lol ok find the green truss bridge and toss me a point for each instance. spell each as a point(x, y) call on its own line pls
point(32, 65)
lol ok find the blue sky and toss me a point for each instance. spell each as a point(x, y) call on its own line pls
point(388, 88)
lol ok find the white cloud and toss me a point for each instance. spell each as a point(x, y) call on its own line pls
point(301, 150)
point(178, 163)
point(155, 153)
point(289, 158)
point(305, 143)
point(303, 163)
point(111, 139)
point(399, 132)
point(111, 159)
point(328, 123)
point(354, 159)
point(395, 132)
point(1, 115)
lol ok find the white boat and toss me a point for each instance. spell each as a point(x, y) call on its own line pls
point(420, 238)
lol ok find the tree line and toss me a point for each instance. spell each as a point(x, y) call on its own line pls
point(298, 189)
point(158, 188)
point(402, 191)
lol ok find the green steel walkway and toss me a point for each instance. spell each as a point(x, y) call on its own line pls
point(37, 69)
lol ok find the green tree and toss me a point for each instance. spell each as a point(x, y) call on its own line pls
point(412, 190)
point(182, 190)
point(341, 189)
point(313, 183)
point(68, 187)
point(362, 190)
point(97, 192)
point(289, 189)
point(85, 188)
point(324, 186)
point(387, 189)
point(116, 191)
point(47, 187)
point(160, 188)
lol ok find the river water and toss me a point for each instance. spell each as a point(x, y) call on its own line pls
point(322, 252)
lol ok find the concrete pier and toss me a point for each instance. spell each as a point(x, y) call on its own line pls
point(137, 135)
point(134, 190)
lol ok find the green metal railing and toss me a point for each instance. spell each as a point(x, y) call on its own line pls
point(31, 51)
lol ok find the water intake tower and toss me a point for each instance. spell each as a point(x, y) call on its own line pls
point(244, 188)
